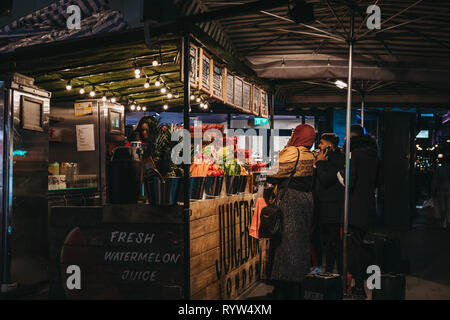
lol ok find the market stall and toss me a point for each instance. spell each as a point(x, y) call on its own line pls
point(184, 235)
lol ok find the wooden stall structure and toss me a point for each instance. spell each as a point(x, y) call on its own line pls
point(137, 251)
point(225, 260)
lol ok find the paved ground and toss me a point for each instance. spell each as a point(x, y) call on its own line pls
point(428, 250)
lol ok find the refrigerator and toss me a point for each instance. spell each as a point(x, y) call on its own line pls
point(24, 125)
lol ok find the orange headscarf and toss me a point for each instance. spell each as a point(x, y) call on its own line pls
point(303, 136)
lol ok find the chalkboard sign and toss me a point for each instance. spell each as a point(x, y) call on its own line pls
point(230, 89)
point(217, 81)
point(238, 94)
point(256, 100)
point(247, 93)
point(205, 73)
point(193, 55)
point(123, 252)
point(264, 104)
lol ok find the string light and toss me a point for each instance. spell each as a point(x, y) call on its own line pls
point(198, 100)
point(104, 99)
point(113, 100)
point(192, 97)
point(82, 90)
point(205, 106)
point(147, 84)
point(144, 108)
point(132, 107)
point(92, 93)
point(169, 95)
point(163, 90)
point(138, 108)
point(69, 85)
point(155, 63)
point(201, 105)
point(165, 107)
point(158, 82)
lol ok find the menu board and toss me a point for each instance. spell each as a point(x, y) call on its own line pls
point(238, 94)
point(256, 101)
point(230, 88)
point(264, 104)
point(247, 96)
point(217, 81)
point(193, 54)
point(206, 73)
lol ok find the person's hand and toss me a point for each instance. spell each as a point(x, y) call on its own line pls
point(322, 156)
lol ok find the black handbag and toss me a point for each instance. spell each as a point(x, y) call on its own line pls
point(271, 216)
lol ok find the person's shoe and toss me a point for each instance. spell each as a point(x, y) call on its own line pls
point(359, 292)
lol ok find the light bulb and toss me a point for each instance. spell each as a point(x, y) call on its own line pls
point(104, 98)
point(165, 107)
point(92, 93)
point(163, 90)
point(137, 71)
point(201, 105)
point(157, 83)
point(147, 85)
point(68, 86)
point(205, 106)
point(132, 107)
point(144, 108)
point(138, 108)
point(198, 100)
point(192, 97)
point(137, 75)
point(155, 63)
point(113, 100)
point(82, 91)
point(169, 95)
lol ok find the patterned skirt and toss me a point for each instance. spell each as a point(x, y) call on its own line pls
point(292, 260)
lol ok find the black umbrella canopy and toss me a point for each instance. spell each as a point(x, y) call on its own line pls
point(406, 61)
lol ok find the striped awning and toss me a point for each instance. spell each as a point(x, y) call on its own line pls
point(50, 24)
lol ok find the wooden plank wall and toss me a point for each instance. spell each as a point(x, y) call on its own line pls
point(225, 260)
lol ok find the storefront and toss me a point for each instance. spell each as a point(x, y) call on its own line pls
point(157, 246)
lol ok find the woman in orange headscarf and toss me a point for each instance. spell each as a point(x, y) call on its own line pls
point(291, 253)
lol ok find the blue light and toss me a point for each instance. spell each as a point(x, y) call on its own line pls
point(9, 229)
point(19, 153)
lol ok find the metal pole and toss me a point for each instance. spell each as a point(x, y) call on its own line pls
point(347, 153)
point(186, 200)
point(272, 137)
point(362, 111)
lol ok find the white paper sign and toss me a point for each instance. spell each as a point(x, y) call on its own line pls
point(85, 137)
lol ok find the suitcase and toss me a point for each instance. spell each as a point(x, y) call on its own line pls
point(393, 287)
point(387, 253)
point(322, 286)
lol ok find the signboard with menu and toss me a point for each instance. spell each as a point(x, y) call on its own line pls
point(264, 104)
point(256, 100)
point(218, 75)
point(247, 96)
point(229, 97)
point(205, 73)
point(193, 55)
point(238, 94)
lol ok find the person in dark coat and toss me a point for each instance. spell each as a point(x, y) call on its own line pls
point(291, 255)
point(364, 168)
point(329, 199)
